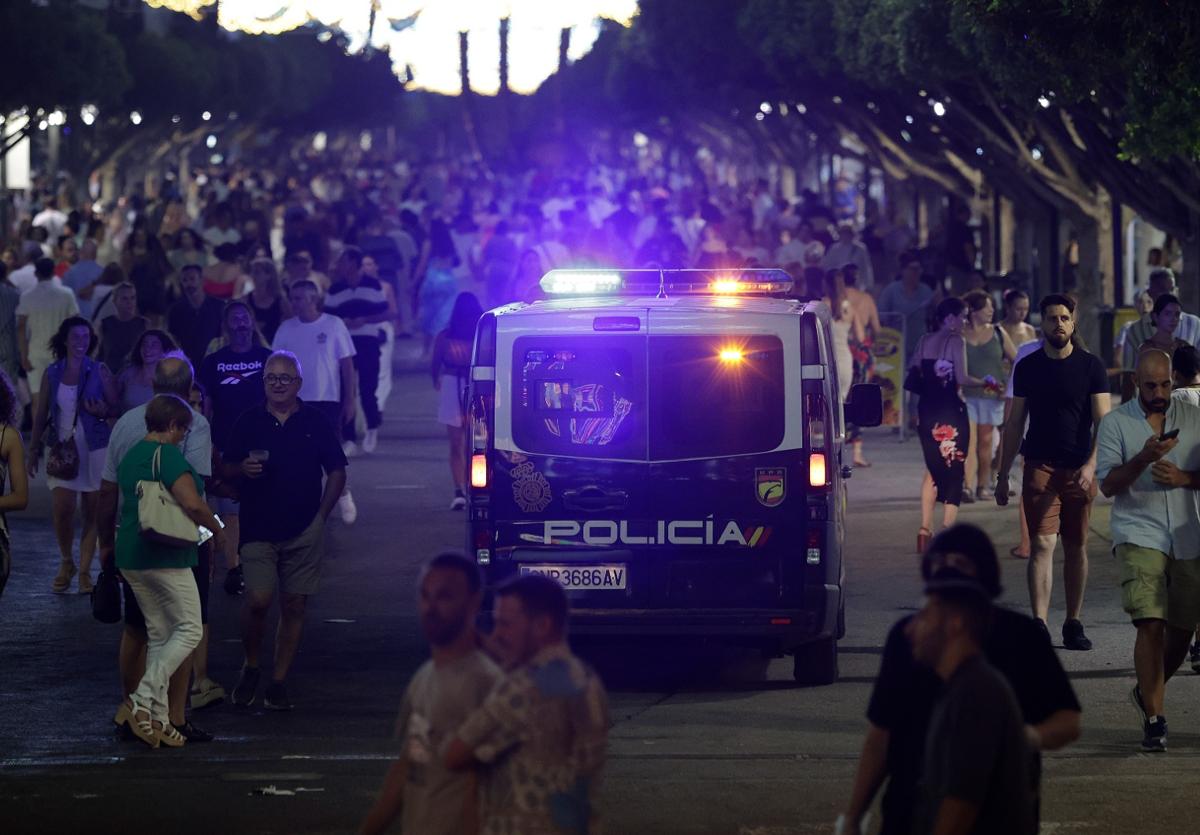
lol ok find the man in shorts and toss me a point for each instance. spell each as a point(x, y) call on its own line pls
point(1148, 459)
point(1063, 390)
point(280, 451)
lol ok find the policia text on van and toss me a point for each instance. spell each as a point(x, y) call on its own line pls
point(668, 445)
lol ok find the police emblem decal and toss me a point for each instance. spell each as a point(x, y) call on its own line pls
point(770, 486)
point(530, 489)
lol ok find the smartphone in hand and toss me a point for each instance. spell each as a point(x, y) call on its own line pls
point(1169, 436)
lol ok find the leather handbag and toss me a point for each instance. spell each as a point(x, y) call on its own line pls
point(62, 459)
point(106, 595)
point(160, 517)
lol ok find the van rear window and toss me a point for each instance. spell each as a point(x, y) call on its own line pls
point(580, 396)
point(714, 396)
point(695, 396)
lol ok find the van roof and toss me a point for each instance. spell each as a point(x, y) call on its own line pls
point(699, 303)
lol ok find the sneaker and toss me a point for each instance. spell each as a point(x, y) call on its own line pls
point(967, 496)
point(347, 508)
point(206, 693)
point(191, 733)
point(246, 690)
point(1155, 737)
point(276, 697)
point(349, 449)
point(460, 501)
point(371, 441)
point(1194, 657)
point(1135, 699)
point(1073, 637)
point(1045, 629)
point(235, 581)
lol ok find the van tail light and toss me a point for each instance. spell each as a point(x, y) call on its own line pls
point(479, 474)
point(817, 475)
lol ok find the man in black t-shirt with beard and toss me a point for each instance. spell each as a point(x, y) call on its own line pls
point(1064, 392)
point(232, 379)
point(905, 694)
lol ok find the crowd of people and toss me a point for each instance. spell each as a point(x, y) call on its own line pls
point(230, 338)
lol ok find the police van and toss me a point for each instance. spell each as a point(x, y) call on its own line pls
point(668, 445)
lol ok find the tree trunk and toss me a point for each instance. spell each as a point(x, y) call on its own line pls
point(1094, 275)
point(1189, 281)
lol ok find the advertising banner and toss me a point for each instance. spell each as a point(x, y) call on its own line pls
point(888, 373)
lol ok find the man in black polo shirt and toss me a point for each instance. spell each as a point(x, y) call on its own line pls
point(281, 451)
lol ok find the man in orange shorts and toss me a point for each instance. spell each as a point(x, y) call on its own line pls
point(1064, 392)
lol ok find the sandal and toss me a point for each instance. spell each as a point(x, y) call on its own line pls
point(923, 537)
point(168, 735)
point(143, 729)
point(85, 584)
point(864, 465)
point(62, 580)
point(1015, 553)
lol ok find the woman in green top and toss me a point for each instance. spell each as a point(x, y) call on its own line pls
point(160, 575)
point(988, 346)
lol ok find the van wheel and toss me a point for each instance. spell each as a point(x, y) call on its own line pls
point(816, 664)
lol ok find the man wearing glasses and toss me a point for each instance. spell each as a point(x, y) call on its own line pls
point(280, 452)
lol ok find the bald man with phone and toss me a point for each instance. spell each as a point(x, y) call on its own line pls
point(1148, 460)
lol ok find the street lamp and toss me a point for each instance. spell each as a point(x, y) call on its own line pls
point(135, 117)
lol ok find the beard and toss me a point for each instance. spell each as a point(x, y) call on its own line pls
point(441, 632)
point(1058, 340)
point(1154, 406)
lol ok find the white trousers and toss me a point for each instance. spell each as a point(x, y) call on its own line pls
point(170, 603)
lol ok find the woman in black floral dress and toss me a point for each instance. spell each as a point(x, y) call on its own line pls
point(942, 414)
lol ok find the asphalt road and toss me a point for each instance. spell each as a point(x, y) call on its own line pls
point(705, 739)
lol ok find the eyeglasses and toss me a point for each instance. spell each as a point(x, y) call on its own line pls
point(279, 379)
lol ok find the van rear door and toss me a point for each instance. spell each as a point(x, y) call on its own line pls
point(570, 487)
point(725, 448)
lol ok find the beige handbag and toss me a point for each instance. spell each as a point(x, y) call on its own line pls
point(160, 517)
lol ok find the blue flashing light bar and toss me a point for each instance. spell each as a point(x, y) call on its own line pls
point(666, 282)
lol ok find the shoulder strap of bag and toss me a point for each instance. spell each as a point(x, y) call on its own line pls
point(156, 463)
point(79, 395)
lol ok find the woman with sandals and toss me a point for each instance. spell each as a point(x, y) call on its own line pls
point(160, 574)
point(940, 360)
point(76, 397)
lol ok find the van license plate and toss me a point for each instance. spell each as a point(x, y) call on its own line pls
point(582, 577)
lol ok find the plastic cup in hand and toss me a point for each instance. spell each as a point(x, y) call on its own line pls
point(260, 455)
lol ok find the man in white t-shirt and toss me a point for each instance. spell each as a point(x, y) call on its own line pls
point(326, 352)
point(51, 218)
point(39, 314)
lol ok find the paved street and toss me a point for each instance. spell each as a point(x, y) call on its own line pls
point(704, 739)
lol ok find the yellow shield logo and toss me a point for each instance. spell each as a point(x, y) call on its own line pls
point(770, 486)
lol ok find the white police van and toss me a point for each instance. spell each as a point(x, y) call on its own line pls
point(668, 445)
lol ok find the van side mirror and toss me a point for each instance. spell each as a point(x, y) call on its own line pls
point(865, 406)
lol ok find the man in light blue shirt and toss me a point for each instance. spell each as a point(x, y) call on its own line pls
point(82, 275)
point(909, 297)
point(1148, 459)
